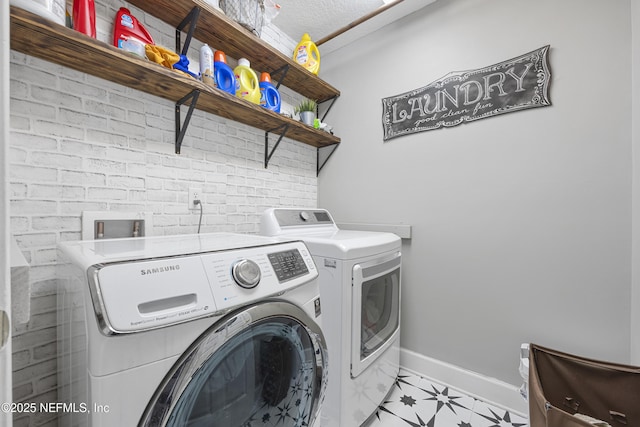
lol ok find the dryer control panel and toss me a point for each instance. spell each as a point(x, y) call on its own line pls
point(279, 221)
point(146, 294)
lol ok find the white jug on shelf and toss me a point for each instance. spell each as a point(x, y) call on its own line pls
point(50, 9)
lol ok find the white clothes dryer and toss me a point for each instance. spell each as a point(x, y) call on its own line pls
point(192, 330)
point(359, 277)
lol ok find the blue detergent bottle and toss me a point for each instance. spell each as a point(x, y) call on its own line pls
point(223, 76)
point(269, 95)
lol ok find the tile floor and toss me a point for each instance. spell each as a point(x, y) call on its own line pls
point(416, 401)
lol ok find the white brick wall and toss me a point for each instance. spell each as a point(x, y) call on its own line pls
point(82, 143)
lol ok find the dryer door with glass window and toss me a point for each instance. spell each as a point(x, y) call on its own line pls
point(375, 310)
point(262, 365)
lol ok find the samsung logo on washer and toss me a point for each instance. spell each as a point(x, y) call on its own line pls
point(162, 269)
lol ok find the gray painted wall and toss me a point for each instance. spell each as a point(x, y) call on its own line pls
point(521, 222)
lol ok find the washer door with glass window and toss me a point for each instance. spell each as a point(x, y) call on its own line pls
point(263, 365)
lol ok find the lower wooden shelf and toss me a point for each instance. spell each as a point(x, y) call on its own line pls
point(39, 37)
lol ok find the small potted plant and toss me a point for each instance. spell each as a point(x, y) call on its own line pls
point(307, 111)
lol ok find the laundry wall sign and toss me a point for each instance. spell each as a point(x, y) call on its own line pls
point(466, 96)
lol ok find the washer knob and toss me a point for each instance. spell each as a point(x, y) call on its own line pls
point(304, 215)
point(246, 273)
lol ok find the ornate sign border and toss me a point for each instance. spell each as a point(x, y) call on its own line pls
point(465, 96)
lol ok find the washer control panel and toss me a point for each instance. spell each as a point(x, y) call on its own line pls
point(146, 294)
point(277, 268)
point(246, 273)
point(288, 264)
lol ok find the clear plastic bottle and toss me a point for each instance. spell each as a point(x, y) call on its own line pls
point(307, 54)
point(247, 84)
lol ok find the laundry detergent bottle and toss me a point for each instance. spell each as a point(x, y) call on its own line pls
point(129, 34)
point(307, 54)
point(206, 65)
point(84, 17)
point(269, 95)
point(247, 84)
point(223, 77)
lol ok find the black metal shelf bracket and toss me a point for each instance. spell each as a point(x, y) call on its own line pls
point(182, 129)
point(284, 69)
point(331, 148)
point(320, 163)
point(191, 19)
point(332, 100)
point(267, 153)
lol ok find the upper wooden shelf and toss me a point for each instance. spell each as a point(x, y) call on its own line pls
point(40, 37)
point(222, 33)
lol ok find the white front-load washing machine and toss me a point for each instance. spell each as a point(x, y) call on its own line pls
point(359, 277)
point(193, 330)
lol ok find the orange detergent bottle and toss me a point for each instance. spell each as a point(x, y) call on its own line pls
point(307, 54)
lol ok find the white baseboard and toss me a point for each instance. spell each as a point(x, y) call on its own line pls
point(489, 390)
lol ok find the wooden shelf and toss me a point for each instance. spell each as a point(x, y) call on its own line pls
point(40, 37)
point(221, 33)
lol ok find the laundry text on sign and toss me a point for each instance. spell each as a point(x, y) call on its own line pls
point(512, 85)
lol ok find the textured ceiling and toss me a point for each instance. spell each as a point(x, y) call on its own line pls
point(321, 18)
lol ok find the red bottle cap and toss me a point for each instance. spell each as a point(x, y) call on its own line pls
point(219, 56)
point(265, 77)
